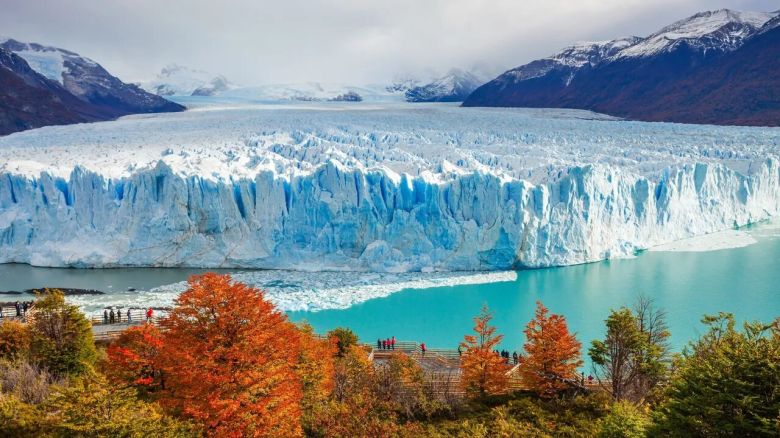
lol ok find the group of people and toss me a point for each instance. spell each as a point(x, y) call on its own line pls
point(389, 344)
point(111, 317)
point(386, 344)
point(505, 354)
point(20, 308)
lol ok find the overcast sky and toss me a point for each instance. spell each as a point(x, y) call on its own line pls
point(357, 41)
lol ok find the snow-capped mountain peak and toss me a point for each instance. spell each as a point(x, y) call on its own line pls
point(51, 62)
point(178, 80)
point(587, 53)
point(723, 30)
point(455, 86)
point(591, 52)
point(401, 84)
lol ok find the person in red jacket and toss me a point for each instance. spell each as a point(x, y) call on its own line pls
point(392, 343)
point(422, 348)
point(149, 314)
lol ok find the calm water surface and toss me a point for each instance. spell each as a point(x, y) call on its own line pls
point(744, 281)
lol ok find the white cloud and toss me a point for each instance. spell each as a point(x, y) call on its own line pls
point(255, 42)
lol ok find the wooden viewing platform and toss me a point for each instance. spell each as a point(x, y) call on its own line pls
point(442, 366)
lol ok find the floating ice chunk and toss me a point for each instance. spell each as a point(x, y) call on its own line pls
point(310, 291)
point(709, 242)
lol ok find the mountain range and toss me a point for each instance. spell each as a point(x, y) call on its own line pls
point(454, 86)
point(178, 80)
point(43, 85)
point(718, 67)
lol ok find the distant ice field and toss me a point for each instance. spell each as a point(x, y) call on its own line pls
point(223, 139)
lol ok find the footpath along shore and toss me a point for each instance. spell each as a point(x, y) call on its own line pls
point(442, 365)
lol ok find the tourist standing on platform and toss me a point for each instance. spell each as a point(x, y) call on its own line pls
point(111, 316)
point(105, 316)
point(392, 343)
point(422, 348)
point(149, 314)
point(129, 317)
point(18, 309)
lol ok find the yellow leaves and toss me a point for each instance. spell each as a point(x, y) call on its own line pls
point(14, 340)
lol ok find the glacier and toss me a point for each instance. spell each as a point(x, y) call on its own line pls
point(374, 187)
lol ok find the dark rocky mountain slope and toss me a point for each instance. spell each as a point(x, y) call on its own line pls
point(51, 86)
point(714, 67)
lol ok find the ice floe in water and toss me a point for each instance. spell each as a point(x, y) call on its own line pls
point(710, 242)
point(309, 291)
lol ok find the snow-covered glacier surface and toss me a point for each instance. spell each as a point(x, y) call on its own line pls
point(374, 187)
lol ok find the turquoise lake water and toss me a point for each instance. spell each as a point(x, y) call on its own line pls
point(744, 281)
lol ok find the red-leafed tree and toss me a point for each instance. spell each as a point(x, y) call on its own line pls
point(552, 353)
point(315, 369)
point(134, 358)
point(482, 370)
point(229, 360)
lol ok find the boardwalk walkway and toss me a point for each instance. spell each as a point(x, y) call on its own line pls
point(441, 365)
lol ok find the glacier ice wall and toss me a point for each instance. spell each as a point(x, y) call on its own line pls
point(358, 219)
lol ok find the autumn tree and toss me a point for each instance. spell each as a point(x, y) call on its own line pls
point(229, 359)
point(634, 355)
point(482, 370)
point(344, 338)
point(403, 383)
point(61, 336)
point(615, 359)
point(315, 368)
point(89, 406)
point(133, 359)
point(552, 354)
point(14, 340)
point(359, 408)
point(656, 356)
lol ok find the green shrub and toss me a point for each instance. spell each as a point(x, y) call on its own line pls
point(728, 384)
point(61, 336)
point(345, 339)
point(624, 421)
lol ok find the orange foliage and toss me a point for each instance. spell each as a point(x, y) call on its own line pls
point(552, 353)
point(133, 359)
point(356, 409)
point(14, 340)
point(230, 361)
point(482, 370)
point(315, 369)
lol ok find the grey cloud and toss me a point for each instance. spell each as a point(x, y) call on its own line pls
point(255, 42)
